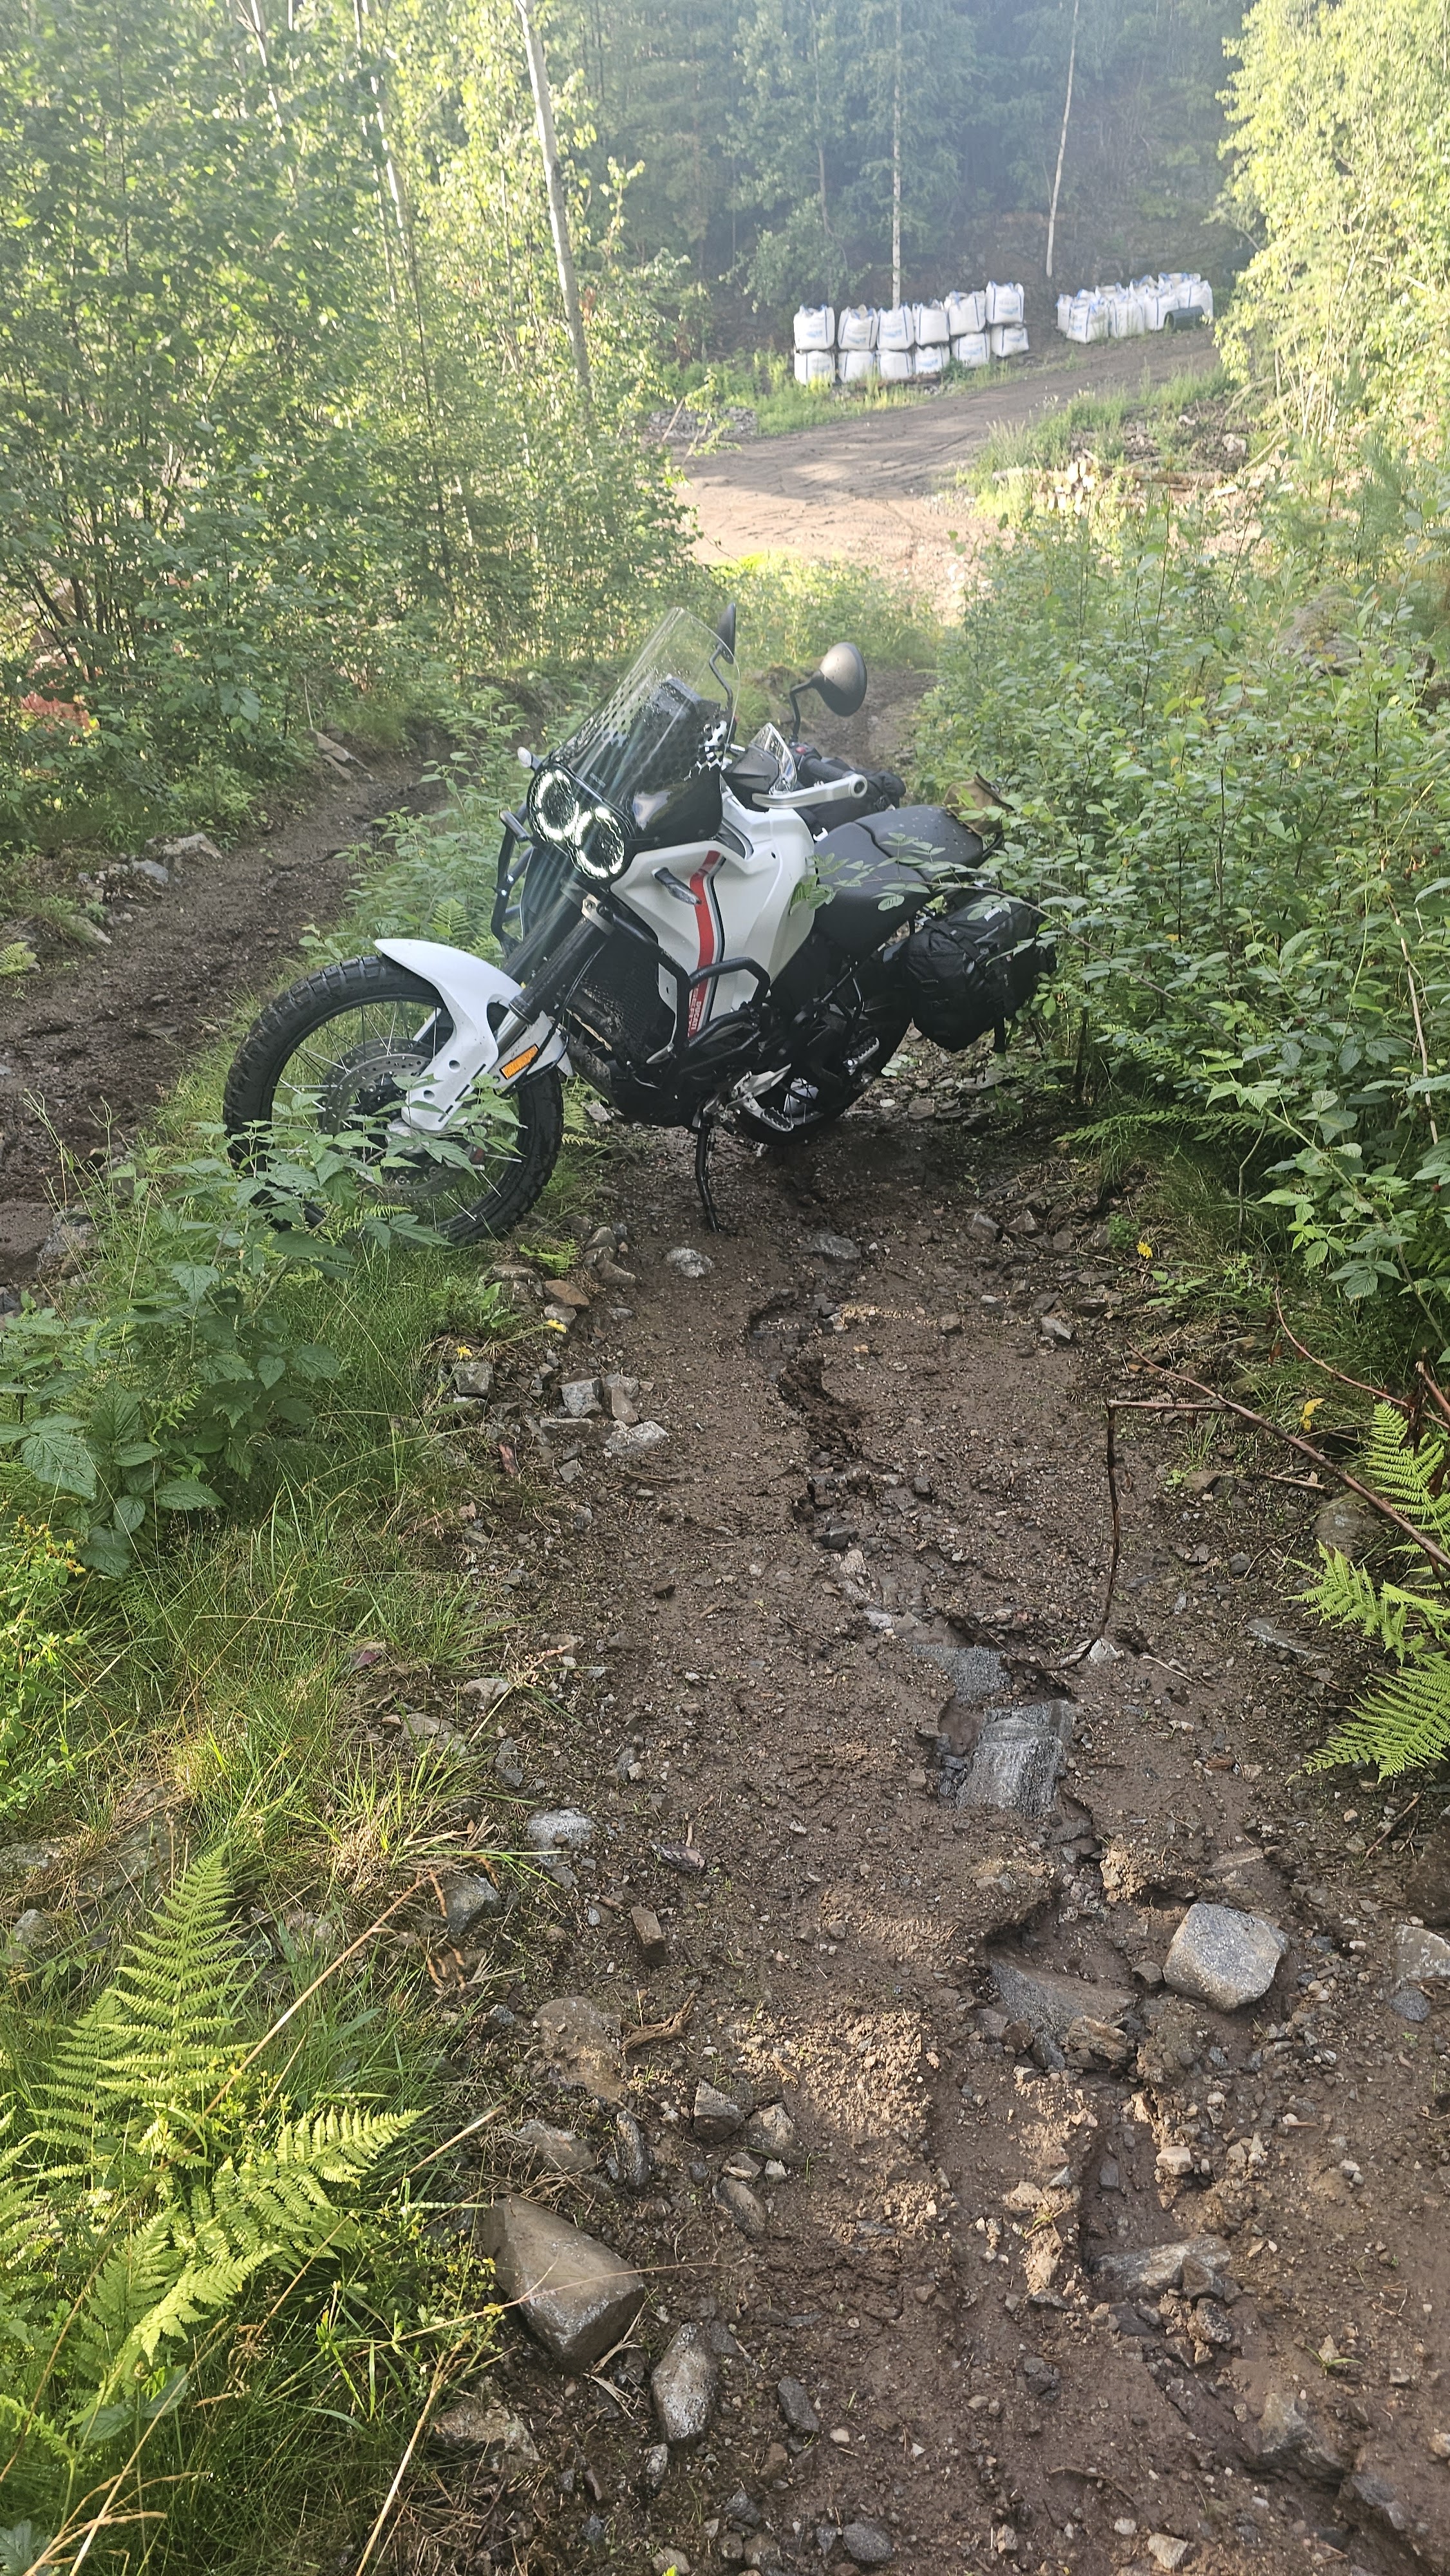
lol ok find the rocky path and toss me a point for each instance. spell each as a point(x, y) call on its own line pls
point(1041, 2157)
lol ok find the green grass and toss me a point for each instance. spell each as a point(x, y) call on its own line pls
point(1098, 420)
point(766, 385)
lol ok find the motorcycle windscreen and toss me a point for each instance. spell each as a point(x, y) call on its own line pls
point(654, 750)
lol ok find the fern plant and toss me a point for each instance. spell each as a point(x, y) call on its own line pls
point(1405, 1721)
point(145, 2184)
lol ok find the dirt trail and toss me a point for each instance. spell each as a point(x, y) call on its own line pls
point(870, 486)
point(93, 1042)
point(881, 1506)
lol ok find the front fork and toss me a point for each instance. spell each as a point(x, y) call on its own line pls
point(500, 1028)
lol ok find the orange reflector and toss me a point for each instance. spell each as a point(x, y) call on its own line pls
point(516, 1063)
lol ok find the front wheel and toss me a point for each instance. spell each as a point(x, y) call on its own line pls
point(337, 1055)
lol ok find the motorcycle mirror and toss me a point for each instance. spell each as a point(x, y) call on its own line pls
point(725, 631)
point(841, 679)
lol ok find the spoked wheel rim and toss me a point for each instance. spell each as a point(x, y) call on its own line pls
point(349, 1075)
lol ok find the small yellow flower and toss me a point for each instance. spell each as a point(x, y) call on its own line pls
point(1145, 1248)
point(1306, 1418)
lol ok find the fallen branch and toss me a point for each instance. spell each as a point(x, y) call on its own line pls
point(653, 2030)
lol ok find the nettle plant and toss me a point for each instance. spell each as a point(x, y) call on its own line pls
point(173, 1383)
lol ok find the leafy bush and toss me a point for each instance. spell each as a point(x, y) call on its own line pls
point(146, 1401)
point(38, 1645)
point(1406, 1722)
point(1232, 792)
point(159, 2191)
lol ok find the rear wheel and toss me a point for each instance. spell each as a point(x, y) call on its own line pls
point(337, 1055)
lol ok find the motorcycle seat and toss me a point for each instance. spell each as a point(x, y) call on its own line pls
point(882, 871)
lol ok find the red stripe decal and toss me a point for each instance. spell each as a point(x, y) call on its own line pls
point(709, 937)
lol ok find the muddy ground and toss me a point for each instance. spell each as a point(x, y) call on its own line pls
point(881, 1502)
point(91, 1043)
point(879, 487)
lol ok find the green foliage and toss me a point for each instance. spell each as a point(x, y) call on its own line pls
point(39, 1644)
point(153, 2191)
point(1338, 131)
point(1406, 1721)
point(1232, 794)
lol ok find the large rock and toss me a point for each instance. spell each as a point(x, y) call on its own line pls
point(796, 2407)
point(715, 2116)
point(1420, 1957)
point(868, 2544)
point(1223, 1958)
point(574, 2295)
point(1049, 2003)
point(1153, 2269)
point(685, 2386)
point(739, 2202)
point(771, 2132)
point(1017, 1758)
point(469, 1905)
point(1291, 2437)
point(581, 2046)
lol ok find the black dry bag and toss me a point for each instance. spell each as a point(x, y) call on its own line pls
point(968, 970)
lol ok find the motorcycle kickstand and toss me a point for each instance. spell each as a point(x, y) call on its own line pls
point(704, 1139)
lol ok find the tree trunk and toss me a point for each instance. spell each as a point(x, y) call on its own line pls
point(1062, 143)
point(896, 168)
point(554, 183)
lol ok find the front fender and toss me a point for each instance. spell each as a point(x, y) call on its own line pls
point(467, 986)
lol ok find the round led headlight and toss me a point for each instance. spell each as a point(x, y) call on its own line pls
point(602, 850)
point(558, 807)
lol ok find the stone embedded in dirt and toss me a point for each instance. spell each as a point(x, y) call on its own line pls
point(833, 1247)
point(1017, 1758)
point(648, 1936)
point(741, 2511)
point(1203, 2275)
point(689, 1263)
point(797, 2409)
point(1057, 1330)
point(485, 1690)
point(472, 1379)
point(581, 2047)
point(1410, 2003)
point(656, 2467)
point(685, 2386)
point(687, 1858)
point(772, 2132)
point(631, 2164)
point(575, 2296)
point(1224, 1958)
point(560, 1829)
point(1420, 1957)
point(739, 2202)
point(1379, 2498)
point(868, 2544)
point(1167, 2550)
point(508, 1764)
point(549, 2151)
point(187, 845)
point(1348, 1527)
point(980, 1228)
point(579, 1397)
point(1049, 2003)
point(715, 2116)
point(1290, 2436)
point(1175, 2162)
point(635, 1439)
point(1040, 2376)
point(1279, 1641)
point(612, 1274)
point(1156, 2268)
point(468, 1903)
point(619, 1395)
point(505, 2439)
point(1173, 2044)
point(1427, 1888)
point(1089, 2044)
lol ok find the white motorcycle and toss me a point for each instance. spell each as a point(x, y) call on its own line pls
point(705, 932)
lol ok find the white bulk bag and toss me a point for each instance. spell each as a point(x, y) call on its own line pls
point(970, 349)
point(815, 367)
point(1006, 303)
point(815, 326)
point(898, 366)
point(933, 331)
point(932, 360)
point(856, 328)
point(896, 327)
point(1064, 311)
point(966, 313)
point(1122, 321)
point(859, 366)
point(1200, 298)
point(1007, 340)
point(1086, 317)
